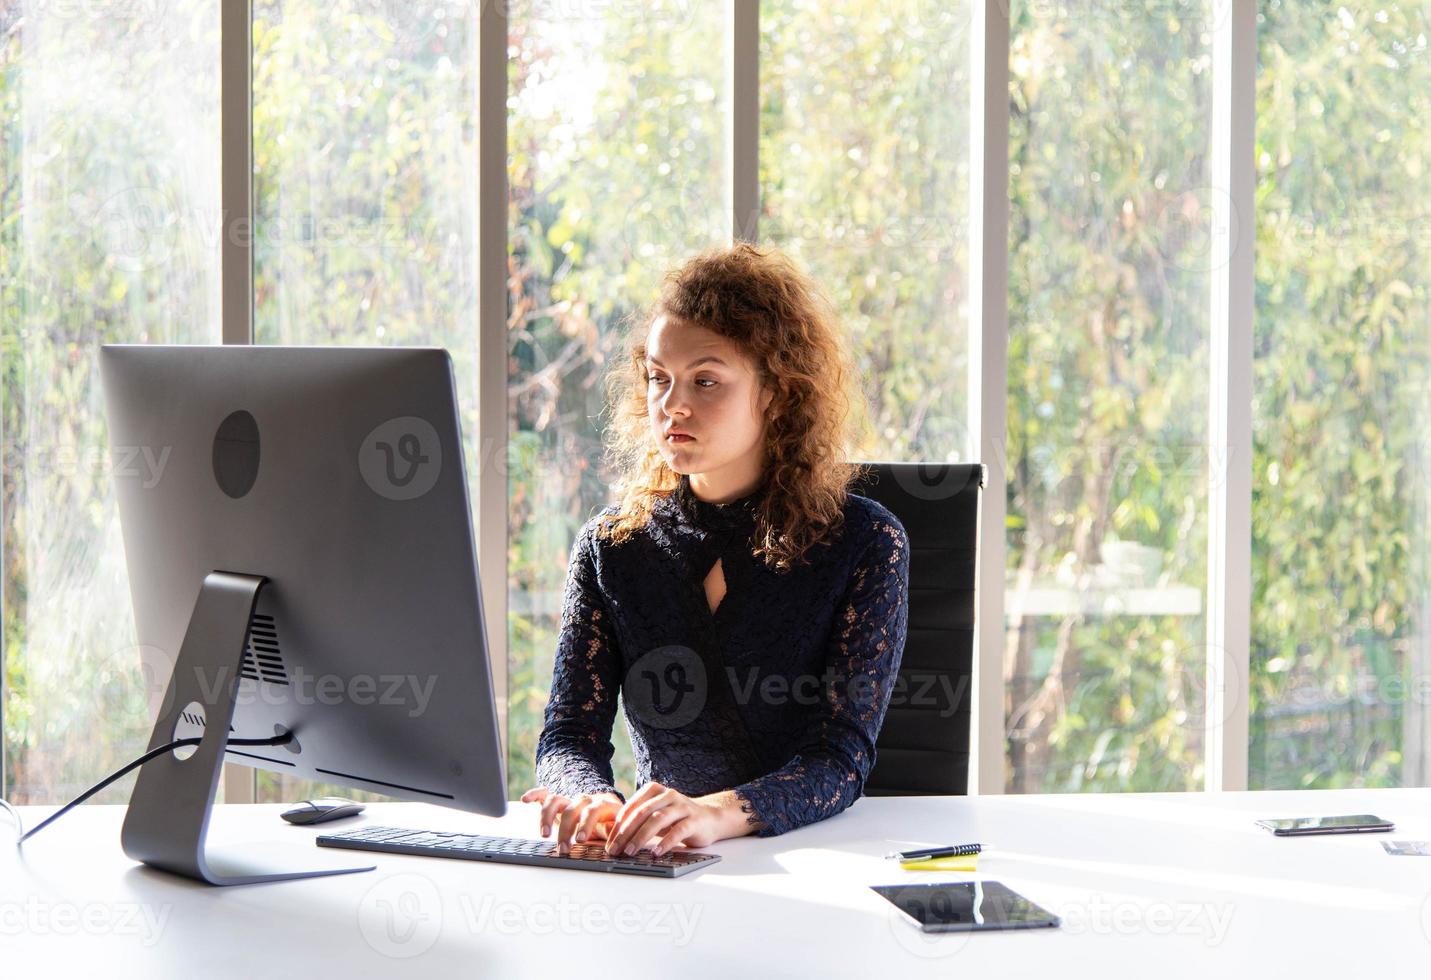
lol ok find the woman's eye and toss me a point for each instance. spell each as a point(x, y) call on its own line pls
point(703, 382)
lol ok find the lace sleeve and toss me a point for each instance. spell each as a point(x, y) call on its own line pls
point(829, 769)
point(574, 750)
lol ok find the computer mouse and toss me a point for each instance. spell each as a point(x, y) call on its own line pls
point(321, 811)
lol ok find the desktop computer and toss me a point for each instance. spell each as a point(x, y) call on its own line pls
point(304, 560)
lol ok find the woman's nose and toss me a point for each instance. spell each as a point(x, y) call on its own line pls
point(674, 403)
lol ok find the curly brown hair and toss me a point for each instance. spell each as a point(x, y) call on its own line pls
point(758, 298)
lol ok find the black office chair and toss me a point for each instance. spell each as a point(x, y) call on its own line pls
point(923, 748)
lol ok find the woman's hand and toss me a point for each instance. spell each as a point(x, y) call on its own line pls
point(665, 819)
point(583, 817)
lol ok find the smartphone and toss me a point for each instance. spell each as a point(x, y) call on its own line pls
point(1360, 823)
point(965, 906)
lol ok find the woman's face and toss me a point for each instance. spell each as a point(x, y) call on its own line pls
point(700, 384)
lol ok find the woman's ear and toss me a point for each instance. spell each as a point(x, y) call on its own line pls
point(767, 395)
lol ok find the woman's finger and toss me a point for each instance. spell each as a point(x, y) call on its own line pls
point(592, 816)
point(636, 799)
point(568, 825)
point(535, 795)
point(633, 814)
point(652, 826)
point(551, 809)
point(674, 836)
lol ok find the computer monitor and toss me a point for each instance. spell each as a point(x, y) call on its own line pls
point(299, 542)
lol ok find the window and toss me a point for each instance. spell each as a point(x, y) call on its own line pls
point(1341, 604)
point(108, 233)
point(616, 134)
point(1109, 281)
point(864, 160)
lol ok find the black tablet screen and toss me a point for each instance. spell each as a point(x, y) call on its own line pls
point(965, 905)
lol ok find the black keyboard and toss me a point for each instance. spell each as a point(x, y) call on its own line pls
point(516, 850)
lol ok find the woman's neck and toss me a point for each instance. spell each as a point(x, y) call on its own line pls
point(720, 489)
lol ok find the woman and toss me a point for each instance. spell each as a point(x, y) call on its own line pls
point(751, 610)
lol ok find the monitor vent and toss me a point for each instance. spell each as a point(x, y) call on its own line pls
point(262, 659)
point(193, 716)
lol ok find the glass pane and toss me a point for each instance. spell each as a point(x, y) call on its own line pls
point(616, 136)
point(1108, 361)
point(864, 156)
point(1341, 627)
point(109, 232)
point(365, 190)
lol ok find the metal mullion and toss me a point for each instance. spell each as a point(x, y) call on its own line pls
point(236, 169)
point(1233, 205)
point(236, 240)
point(492, 490)
point(988, 371)
point(742, 151)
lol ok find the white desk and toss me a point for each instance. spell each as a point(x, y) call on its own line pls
point(1148, 885)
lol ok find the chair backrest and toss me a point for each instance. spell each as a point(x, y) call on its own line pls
point(923, 748)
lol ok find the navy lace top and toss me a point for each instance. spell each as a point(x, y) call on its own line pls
point(779, 694)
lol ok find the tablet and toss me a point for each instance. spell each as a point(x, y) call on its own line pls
point(965, 906)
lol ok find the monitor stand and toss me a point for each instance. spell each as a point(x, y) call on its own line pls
point(168, 818)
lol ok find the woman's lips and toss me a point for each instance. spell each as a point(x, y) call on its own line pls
point(680, 438)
